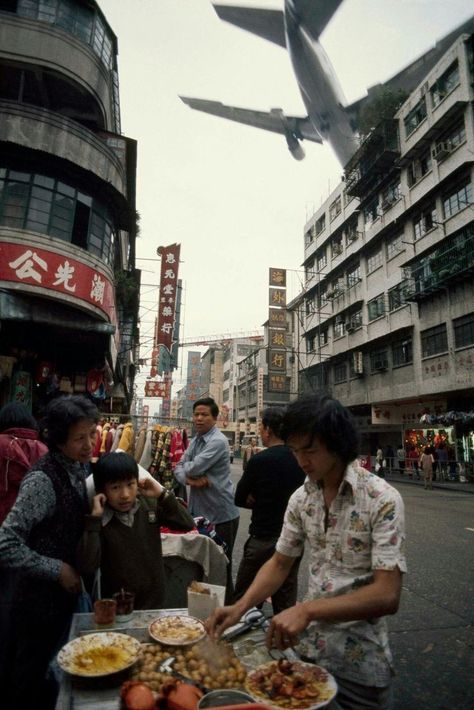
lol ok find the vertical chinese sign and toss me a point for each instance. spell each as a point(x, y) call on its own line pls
point(277, 331)
point(165, 326)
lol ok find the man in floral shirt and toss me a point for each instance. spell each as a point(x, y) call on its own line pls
point(353, 522)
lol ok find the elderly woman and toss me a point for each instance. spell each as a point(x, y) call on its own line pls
point(38, 542)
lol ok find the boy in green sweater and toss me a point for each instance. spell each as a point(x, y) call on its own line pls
point(122, 532)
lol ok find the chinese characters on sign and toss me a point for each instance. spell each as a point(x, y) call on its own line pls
point(277, 330)
point(167, 294)
point(31, 266)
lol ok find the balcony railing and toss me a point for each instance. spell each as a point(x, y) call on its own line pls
point(451, 262)
point(373, 160)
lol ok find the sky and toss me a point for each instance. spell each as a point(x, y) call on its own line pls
point(232, 195)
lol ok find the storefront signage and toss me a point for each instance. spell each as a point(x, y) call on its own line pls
point(407, 414)
point(276, 323)
point(277, 277)
point(155, 389)
point(58, 274)
point(278, 383)
point(277, 318)
point(167, 295)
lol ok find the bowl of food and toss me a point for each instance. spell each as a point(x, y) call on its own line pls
point(177, 630)
point(98, 655)
point(291, 685)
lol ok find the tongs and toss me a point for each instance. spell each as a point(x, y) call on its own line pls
point(253, 619)
point(167, 667)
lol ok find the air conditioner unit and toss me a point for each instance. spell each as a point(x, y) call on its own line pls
point(441, 150)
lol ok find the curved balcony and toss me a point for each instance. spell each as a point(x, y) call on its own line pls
point(65, 140)
point(47, 46)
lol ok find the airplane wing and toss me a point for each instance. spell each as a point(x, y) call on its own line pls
point(274, 120)
point(268, 24)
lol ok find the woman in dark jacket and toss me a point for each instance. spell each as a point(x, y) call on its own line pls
point(19, 449)
point(38, 542)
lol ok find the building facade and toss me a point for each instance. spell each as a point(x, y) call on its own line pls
point(386, 319)
point(69, 289)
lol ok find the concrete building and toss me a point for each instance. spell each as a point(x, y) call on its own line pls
point(68, 286)
point(386, 319)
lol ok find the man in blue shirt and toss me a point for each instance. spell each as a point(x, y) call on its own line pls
point(205, 468)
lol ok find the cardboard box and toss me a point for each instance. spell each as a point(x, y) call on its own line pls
point(202, 605)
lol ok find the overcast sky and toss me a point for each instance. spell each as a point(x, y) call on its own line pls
point(232, 195)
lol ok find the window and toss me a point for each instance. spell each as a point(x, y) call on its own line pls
point(418, 168)
point(434, 341)
point(322, 259)
point(464, 331)
point(350, 232)
point(310, 340)
point(48, 206)
point(371, 212)
point(336, 247)
point(378, 360)
point(456, 201)
point(402, 352)
point(390, 195)
point(424, 222)
point(416, 116)
point(395, 246)
point(340, 372)
point(323, 337)
point(376, 307)
point(309, 269)
point(309, 305)
point(320, 225)
point(335, 209)
point(79, 21)
point(309, 236)
point(374, 260)
point(339, 327)
point(445, 84)
point(353, 276)
point(395, 297)
point(323, 297)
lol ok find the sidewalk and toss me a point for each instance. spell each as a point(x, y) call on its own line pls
point(396, 477)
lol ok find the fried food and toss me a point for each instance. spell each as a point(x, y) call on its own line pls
point(291, 685)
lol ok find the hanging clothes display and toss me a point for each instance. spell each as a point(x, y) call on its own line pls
point(165, 446)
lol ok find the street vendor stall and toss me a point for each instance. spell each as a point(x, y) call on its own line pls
point(144, 651)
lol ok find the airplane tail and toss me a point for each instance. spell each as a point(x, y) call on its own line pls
point(268, 24)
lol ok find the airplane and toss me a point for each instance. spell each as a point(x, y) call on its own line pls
point(298, 28)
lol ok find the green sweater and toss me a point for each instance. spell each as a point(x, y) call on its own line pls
point(130, 558)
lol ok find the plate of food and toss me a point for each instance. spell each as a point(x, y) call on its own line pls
point(177, 630)
point(291, 685)
point(97, 655)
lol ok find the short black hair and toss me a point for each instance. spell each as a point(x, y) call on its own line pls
point(16, 415)
point(112, 467)
point(272, 418)
point(322, 416)
point(62, 413)
point(207, 402)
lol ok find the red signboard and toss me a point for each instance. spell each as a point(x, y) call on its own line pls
point(155, 389)
point(167, 297)
point(27, 264)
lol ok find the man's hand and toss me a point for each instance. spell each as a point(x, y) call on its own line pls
point(201, 482)
point(285, 627)
point(150, 488)
point(69, 579)
point(98, 503)
point(250, 501)
point(221, 619)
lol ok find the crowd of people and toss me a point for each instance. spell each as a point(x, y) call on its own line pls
point(63, 519)
point(422, 462)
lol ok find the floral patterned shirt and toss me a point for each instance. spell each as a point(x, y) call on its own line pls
point(363, 530)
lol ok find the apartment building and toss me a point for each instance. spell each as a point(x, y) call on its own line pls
point(69, 289)
point(386, 318)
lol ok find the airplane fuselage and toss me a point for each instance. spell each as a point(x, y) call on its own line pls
point(319, 87)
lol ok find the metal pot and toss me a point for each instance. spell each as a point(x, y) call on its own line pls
point(216, 698)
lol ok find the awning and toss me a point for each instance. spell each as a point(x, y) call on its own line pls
point(22, 308)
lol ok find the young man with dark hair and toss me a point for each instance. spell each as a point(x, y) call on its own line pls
point(353, 522)
point(122, 532)
point(205, 467)
point(270, 478)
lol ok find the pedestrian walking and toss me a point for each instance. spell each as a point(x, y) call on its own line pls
point(426, 465)
point(401, 459)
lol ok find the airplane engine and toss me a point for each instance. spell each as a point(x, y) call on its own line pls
point(294, 146)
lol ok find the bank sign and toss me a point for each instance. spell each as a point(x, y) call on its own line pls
point(30, 266)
